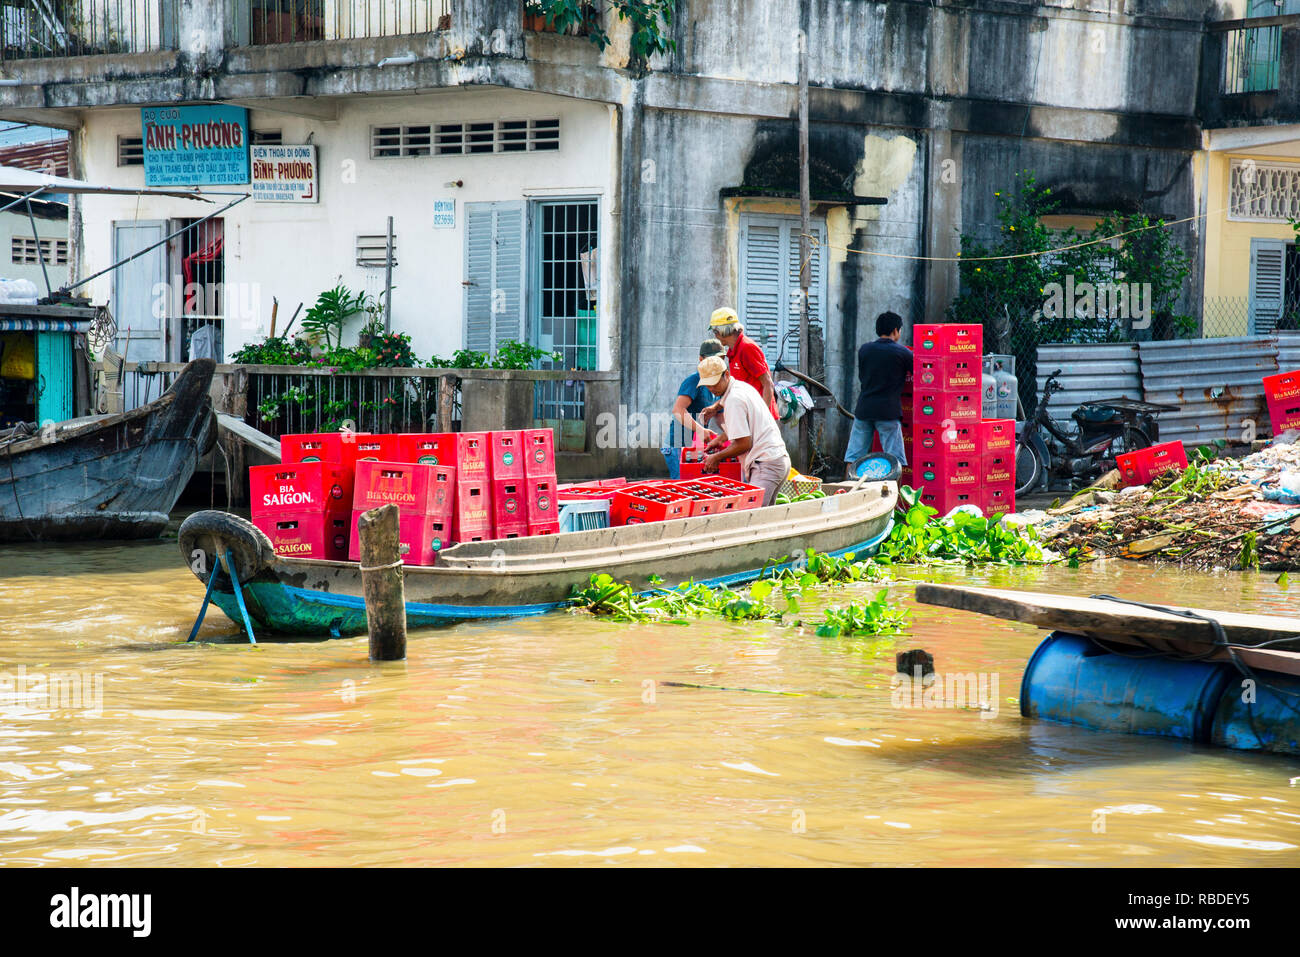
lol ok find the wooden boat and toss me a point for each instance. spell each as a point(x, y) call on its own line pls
point(108, 476)
point(525, 576)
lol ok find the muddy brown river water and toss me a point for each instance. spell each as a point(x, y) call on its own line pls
point(558, 741)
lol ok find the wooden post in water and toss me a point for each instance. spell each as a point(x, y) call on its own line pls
point(381, 583)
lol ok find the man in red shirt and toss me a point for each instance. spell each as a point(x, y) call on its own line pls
point(745, 360)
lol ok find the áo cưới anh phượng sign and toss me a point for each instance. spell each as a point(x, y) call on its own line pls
point(195, 145)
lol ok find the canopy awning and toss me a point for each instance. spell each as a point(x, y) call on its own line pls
point(26, 181)
point(43, 325)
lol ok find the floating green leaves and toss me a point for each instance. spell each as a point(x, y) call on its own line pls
point(876, 617)
point(962, 539)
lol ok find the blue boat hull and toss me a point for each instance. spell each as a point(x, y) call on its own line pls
point(286, 609)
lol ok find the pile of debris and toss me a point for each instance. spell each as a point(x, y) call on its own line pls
point(1217, 513)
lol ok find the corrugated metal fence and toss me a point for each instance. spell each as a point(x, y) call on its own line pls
point(1089, 373)
point(1215, 383)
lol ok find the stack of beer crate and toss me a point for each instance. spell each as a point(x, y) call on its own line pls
point(957, 457)
point(425, 500)
point(303, 507)
point(448, 487)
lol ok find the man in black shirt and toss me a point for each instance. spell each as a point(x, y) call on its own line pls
point(883, 366)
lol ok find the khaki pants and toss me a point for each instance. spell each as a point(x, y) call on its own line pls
point(768, 476)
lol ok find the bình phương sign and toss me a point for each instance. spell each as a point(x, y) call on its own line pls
point(195, 145)
point(285, 174)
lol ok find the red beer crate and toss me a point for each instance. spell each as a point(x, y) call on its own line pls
point(943, 471)
point(415, 489)
point(1142, 465)
point(539, 452)
point(750, 496)
point(905, 477)
point(465, 532)
point(960, 440)
point(586, 492)
point(312, 534)
point(1282, 392)
point(612, 482)
point(692, 466)
point(510, 530)
point(472, 454)
point(362, 447)
point(635, 504)
point(998, 435)
point(427, 448)
point(999, 500)
point(299, 487)
point(543, 528)
point(933, 407)
point(948, 339)
point(998, 469)
point(506, 455)
point(312, 447)
point(424, 536)
point(945, 499)
point(509, 503)
point(947, 373)
point(473, 507)
point(706, 499)
point(542, 505)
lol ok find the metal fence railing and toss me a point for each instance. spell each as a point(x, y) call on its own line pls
point(287, 400)
point(261, 22)
point(35, 29)
point(1252, 58)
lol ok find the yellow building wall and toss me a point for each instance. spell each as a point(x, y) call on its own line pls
point(1227, 242)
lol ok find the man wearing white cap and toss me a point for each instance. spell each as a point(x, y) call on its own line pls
point(746, 421)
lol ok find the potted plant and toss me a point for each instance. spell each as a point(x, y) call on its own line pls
point(534, 16)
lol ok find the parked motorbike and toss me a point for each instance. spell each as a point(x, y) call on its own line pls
point(1103, 429)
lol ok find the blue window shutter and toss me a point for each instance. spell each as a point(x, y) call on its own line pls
point(1267, 285)
point(494, 274)
point(762, 284)
point(816, 285)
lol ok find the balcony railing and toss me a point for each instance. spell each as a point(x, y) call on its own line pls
point(261, 22)
point(1251, 59)
point(35, 29)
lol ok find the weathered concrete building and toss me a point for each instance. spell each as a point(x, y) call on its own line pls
point(637, 200)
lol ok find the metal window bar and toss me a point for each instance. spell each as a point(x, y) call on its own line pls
point(297, 21)
point(1251, 60)
point(566, 303)
point(39, 29)
point(201, 300)
point(293, 403)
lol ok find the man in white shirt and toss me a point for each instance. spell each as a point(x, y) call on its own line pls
point(747, 422)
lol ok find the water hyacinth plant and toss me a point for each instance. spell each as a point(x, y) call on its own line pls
point(960, 539)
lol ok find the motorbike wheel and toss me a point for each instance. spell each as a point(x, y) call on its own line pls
point(1029, 468)
point(1135, 438)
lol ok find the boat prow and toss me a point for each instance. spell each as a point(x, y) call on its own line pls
point(113, 476)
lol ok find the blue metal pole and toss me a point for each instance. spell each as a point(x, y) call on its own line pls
point(239, 594)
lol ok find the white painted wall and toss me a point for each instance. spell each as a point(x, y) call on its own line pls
point(294, 252)
point(16, 224)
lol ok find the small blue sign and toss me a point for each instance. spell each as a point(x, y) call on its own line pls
point(195, 145)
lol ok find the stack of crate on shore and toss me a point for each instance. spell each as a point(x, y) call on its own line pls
point(448, 487)
point(957, 457)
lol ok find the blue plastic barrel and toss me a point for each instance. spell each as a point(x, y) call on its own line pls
point(1260, 714)
point(1071, 680)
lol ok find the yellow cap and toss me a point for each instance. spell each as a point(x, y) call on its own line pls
point(723, 317)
